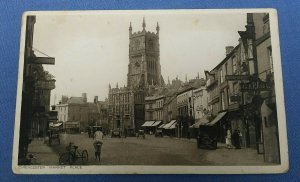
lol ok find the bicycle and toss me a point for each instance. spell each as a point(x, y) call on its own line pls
point(72, 155)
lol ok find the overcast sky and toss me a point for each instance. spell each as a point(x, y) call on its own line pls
point(91, 51)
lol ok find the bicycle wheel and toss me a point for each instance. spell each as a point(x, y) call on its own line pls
point(65, 159)
point(84, 156)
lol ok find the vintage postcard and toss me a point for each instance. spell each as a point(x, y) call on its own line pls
point(150, 91)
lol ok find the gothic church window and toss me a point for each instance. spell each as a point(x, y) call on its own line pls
point(136, 44)
point(151, 44)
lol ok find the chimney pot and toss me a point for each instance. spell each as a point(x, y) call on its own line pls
point(228, 49)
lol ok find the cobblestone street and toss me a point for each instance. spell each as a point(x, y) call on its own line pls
point(149, 151)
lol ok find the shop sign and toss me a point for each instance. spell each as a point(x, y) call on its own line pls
point(255, 85)
point(236, 77)
point(42, 60)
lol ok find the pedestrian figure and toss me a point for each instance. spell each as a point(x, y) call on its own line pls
point(236, 139)
point(241, 138)
point(228, 139)
point(98, 141)
point(125, 133)
point(89, 132)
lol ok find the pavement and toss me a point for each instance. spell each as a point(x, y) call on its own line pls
point(149, 151)
point(44, 154)
point(231, 157)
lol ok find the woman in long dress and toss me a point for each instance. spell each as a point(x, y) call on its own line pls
point(228, 139)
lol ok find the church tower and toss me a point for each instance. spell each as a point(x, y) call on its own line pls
point(144, 62)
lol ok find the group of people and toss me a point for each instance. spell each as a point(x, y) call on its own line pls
point(234, 139)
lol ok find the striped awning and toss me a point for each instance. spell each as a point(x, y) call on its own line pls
point(218, 118)
point(162, 126)
point(173, 126)
point(156, 123)
point(201, 121)
point(168, 125)
point(148, 123)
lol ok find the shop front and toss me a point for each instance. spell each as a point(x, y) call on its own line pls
point(72, 127)
point(219, 126)
point(170, 128)
point(147, 126)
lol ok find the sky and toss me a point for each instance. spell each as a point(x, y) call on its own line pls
point(91, 50)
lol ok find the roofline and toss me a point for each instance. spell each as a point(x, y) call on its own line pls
point(226, 58)
point(185, 90)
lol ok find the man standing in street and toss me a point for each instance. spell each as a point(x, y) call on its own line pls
point(98, 141)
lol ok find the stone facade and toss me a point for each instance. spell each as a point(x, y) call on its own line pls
point(144, 61)
point(144, 72)
point(200, 97)
point(102, 108)
point(73, 113)
point(120, 108)
point(154, 108)
point(186, 105)
point(37, 86)
point(252, 111)
point(266, 73)
point(225, 94)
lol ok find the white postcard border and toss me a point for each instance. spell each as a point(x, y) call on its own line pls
point(140, 169)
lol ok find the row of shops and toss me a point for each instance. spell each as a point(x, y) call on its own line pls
point(160, 127)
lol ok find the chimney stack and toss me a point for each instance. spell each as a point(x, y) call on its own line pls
point(84, 97)
point(228, 49)
point(95, 99)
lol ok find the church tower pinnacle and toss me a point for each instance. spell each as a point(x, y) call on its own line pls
point(130, 30)
point(144, 24)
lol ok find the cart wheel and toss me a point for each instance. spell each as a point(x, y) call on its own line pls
point(84, 156)
point(65, 159)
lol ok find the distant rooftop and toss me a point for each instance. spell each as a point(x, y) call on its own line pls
point(76, 100)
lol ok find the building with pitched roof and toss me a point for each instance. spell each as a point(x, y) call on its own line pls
point(73, 113)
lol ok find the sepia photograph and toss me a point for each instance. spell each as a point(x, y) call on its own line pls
point(150, 91)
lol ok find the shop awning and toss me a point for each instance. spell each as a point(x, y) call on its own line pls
point(168, 125)
point(201, 121)
point(162, 126)
point(148, 123)
point(55, 125)
point(173, 126)
point(156, 123)
point(218, 118)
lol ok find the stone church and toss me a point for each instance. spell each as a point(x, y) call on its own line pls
point(127, 104)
